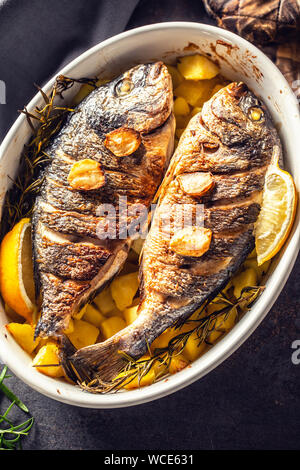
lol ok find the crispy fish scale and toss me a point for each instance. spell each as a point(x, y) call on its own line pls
point(116, 180)
point(70, 260)
point(72, 223)
point(224, 140)
point(207, 153)
point(222, 246)
point(62, 198)
point(236, 185)
point(86, 225)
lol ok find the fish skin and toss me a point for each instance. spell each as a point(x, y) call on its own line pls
point(71, 263)
point(223, 140)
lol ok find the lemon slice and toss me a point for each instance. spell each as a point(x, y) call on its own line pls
point(277, 212)
point(16, 270)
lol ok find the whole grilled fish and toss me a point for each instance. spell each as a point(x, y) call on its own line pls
point(217, 171)
point(116, 144)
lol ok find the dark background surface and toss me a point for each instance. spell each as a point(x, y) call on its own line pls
point(252, 400)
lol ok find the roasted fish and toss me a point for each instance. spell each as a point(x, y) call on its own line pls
point(217, 172)
point(116, 144)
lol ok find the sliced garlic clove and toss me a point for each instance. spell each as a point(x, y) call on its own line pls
point(191, 241)
point(195, 184)
point(86, 175)
point(123, 141)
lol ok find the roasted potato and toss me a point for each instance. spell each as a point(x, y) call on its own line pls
point(197, 67)
point(123, 289)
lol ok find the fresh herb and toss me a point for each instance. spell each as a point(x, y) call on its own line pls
point(11, 434)
point(45, 122)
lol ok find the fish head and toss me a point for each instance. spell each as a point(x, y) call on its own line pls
point(141, 98)
point(238, 117)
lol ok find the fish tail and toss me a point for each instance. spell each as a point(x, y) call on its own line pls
point(97, 365)
point(66, 349)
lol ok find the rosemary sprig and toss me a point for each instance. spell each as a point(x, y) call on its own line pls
point(203, 326)
point(45, 122)
point(9, 393)
point(10, 436)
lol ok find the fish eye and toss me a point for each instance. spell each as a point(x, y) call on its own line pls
point(256, 114)
point(123, 87)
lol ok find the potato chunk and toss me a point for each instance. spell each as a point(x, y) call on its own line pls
point(78, 315)
point(176, 76)
point(84, 334)
point(123, 289)
point(147, 379)
point(181, 107)
point(222, 324)
point(193, 349)
point(93, 316)
point(70, 327)
point(111, 326)
point(130, 314)
point(244, 279)
point(178, 362)
point(260, 270)
point(217, 88)
point(191, 91)
point(163, 340)
point(196, 110)
point(23, 334)
point(182, 121)
point(85, 90)
point(104, 301)
point(47, 358)
point(197, 67)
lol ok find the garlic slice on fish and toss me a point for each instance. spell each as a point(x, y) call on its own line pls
point(195, 184)
point(86, 175)
point(191, 241)
point(123, 141)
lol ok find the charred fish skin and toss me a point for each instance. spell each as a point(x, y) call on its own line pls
point(71, 263)
point(230, 143)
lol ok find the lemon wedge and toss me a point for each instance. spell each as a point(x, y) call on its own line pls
point(277, 211)
point(16, 270)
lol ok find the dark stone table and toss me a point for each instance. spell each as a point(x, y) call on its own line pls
point(251, 401)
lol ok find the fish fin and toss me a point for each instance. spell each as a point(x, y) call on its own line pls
point(66, 349)
point(38, 331)
point(99, 363)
